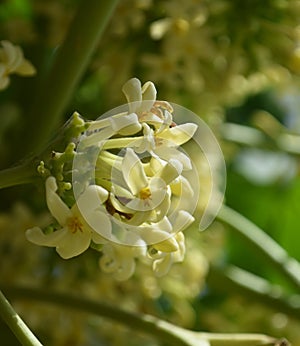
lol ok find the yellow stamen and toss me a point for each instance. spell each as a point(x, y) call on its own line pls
point(74, 224)
point(145, 193)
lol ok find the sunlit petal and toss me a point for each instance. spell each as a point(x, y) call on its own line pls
point(73, 244)
point(133, 172)
point(57, 207)
point(133, 92)
point(179, 134)
point(36, 236)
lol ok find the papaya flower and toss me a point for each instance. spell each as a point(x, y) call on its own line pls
point(12, 61)
point(75, 234)
point(141, 192)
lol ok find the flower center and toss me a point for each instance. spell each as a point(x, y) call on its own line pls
point(74, 224)
point(145, 193)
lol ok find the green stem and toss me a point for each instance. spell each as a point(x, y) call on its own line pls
point(22, 174)
point(263, 244)
point(68, 67)
point(232, 279)
point(16, 324)
point(164, 331)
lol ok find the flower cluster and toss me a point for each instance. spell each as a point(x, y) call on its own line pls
point(132, 198)
point(13, 61)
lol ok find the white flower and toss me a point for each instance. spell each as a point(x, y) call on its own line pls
point(100, 130)
point(76, 234)
point(142, 193)
point(120, 259)
point(164, 260)
point(164, 144)
point(140, 98)
point(172, 249)
point(12, 61)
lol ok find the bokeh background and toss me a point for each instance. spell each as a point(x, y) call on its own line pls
point(234, 63)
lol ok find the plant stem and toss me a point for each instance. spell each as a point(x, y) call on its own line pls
point(22, 174)
point(263, 244)
point(16, 324)
point(232, 279)
point(164, 331)
point(71, 61)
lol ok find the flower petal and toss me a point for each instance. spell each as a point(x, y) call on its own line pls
point(25, 68)
point(179, 134)
point(37, 236)
point(170, 171)
point(99, 222)
point(125, 124)
point(91, 198)
point(148, 97)
point(168, 245)
point(167, 153)
point(162, 266)
point(73, 244)
point(181, 220)
point(133, 92)
point(133, 172)
point(57, 207)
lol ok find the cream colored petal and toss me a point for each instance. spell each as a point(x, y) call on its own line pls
point(101, 123)
point(181, 220)
point(36, 236)
point(157, 190)
point(126, 125)
point(167, 121)
point(25, 68)
point(182, 187)
point(178, 256)
point(108, 261)
point(166, 152)
point(151, 119)
point(148, 91)
point(97, 138)
point(179, 134)
point(133, 92)
point(162, 266)
point(57, 207)
point(100, 223)
point(93, 197)
point(170, 171)
point(126, 269)
point(148, 97)
point(168, 245)
point(139, 218)
point(156, 232)
point(98, 239)
point(162, 209)
point(73, 244)
point(12, 55)
point(133, 172)
point(119, 203)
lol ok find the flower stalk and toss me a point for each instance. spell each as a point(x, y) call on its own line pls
point(22, 174)
point(263, 244)
point(16, 324)
point(68, 67)
point(162, 330)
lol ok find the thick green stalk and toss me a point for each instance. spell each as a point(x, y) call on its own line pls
point(22, 174)
point(16, 324)
point(234, 280)
point(162, 330)
point(69, 65)
point(263, 245)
